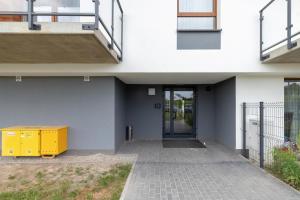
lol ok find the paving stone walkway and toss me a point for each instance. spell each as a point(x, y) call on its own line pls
point(214, 173)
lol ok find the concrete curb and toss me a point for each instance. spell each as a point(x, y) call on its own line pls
point(127, 182)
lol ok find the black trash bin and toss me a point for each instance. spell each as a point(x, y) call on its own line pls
point(129, 133)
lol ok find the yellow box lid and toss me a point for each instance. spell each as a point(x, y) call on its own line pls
point(16, 128)
point(52, 127)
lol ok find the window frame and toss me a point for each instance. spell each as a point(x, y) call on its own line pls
point(213, 14)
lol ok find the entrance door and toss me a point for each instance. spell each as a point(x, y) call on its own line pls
point(179, 113)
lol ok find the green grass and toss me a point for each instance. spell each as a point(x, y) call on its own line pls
point(11, 177)
point(108, 186)
point(286, 167)
point(39, 175)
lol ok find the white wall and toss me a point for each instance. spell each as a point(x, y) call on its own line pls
point(150, 44)
point(253, 90)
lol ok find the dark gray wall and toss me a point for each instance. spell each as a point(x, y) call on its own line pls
point(120, 113)
point(141, 114)
point(205, 113)
point(98, 111)
point(198, 40)
point(86, 107)
point(147, 121)
point(225, 112)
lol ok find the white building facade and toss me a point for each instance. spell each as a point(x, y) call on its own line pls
point(182, 70)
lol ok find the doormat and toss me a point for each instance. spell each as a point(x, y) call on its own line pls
point(183, 144)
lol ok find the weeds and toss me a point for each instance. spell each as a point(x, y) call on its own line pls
point(79, 171)
point(11, 177)
point(286, 167)
point(39, 175)
point(108, 185)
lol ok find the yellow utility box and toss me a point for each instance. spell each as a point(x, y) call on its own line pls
point(21, 141)
point(11, 142)
point(34, 140)
point(54, 140)
point(30, 141)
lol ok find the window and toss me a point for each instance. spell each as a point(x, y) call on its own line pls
point(292, 109)
point(61, 6)
point(197, 14)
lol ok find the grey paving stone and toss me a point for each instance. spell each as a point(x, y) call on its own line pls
point(211, 173)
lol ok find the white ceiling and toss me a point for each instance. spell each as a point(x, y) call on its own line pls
point(174, 78)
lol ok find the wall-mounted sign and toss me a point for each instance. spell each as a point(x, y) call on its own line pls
point(151, 91)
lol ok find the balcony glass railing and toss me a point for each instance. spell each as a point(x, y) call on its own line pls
point(279, 26)
point(103, 15)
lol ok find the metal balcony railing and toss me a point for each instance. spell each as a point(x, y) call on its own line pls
point(98, 22)
point(279, 26)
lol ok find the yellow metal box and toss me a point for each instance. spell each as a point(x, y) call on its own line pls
point(11, 142)
point(21, 141)
point(54, 140)
point(30, 142)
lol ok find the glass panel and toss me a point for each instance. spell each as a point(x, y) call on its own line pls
point(296, 17)
point(68, 18)
point(183, 112)
point(13, 5)
point(66, 6)
point(195, 23)
point(43, 9)
point(167, 111)
point(58, 3)
point(274, 23)
point(118, 25)
point(196, 5)
point(292, 110)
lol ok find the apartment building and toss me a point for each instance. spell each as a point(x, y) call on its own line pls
point(169, 69)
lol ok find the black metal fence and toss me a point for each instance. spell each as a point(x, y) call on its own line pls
point(99, 23)
point(267, 129)
point(288, 10)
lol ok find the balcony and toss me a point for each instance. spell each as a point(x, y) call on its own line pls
point(280, 32)
point(61, 31)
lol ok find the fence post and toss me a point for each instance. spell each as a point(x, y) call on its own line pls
point(245, 153)
point(289, 27)
point(261, 134)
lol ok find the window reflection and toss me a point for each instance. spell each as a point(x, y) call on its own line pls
point(292, 109)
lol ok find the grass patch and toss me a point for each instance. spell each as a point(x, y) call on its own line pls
point(286, 167)
point(79, 171)
point(86, 185)
point(11, 177)
point(39, 175)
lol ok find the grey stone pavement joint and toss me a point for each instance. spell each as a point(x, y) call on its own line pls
point(214, 173)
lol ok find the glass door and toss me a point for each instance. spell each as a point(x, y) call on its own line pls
point(179, 113)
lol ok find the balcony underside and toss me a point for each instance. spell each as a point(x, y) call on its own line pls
point(54, 43)
point(285, 55)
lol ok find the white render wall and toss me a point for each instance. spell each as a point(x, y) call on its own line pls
point(150, 44)
point(253, 90)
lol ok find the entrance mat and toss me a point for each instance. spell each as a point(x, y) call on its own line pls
point(183, 144)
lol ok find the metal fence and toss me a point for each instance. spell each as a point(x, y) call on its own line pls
point(266, 127)
point(279, 25)
point(111, 24)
